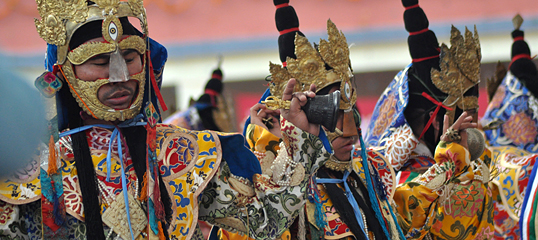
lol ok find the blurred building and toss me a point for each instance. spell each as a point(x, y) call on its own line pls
point(243, 31)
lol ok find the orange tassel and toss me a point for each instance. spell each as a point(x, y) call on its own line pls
point(161, 232)
point(144, 189)
point(52, 157)
point(151, 139)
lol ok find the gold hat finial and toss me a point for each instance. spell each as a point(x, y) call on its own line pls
point(310, 66)
point(53, 14)
point(61, 18)
point(517, 21)
point(460, 69)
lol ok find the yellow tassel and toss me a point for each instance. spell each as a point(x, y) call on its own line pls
point(161, 232)
point(144, 188)
point(52, 157)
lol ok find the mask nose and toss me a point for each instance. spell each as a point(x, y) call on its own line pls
point(118, 68)
point(349, 128)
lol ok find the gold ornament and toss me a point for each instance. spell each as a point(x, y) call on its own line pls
point(309, 67)
point(334, 135)
point(116, 217)
point(85, 92)
point(493, 83)
point(110, 7)
point(273, 103)
point(53, 14)
point(334, 164)
point(452, 135)
point(517, 21)
point(468, 103)
point(61, 18)
point(460, 68)
point(88, 50)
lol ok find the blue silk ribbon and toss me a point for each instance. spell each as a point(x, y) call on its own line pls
point(351, 199)
point(115, 134)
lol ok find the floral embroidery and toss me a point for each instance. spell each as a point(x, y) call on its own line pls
point(485, 233)
point(72, 198)
point(7, 213)
point(178, 151)
point(400, 146)
point(458, 210)
point(466, 200)
point(387, 111)
point(520, 129)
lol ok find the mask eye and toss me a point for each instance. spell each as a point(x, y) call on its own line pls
point(113, 31)
point(346, 91)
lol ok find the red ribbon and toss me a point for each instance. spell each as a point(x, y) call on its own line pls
point(412, 6)
point(520, 38)
point(154, 84)
point(419, 32)
point(284, 64)
point(439, 105)
point(216, 76)
point(213, 94)
point(519, 56)
point(288, 30)
point(282, 5)
point(416, 60)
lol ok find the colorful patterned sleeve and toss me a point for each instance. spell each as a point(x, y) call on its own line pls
point(260, 140)
point(265, 208)
point(450, 201)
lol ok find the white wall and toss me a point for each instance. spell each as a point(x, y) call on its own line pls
point(190, 75)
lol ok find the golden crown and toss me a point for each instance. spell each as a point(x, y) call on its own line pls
point(61, 18)
point(310, 66)
point(460, 70)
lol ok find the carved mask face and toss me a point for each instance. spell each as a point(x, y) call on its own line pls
point(114, 54)
point(59, 26)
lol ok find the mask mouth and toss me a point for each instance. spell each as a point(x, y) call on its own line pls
point(86, 94)
point(119, 95)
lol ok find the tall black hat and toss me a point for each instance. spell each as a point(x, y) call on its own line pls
point(287, 24)
point(522, 65)
point(213, 88)
point(451, 75)
point(424, 50)
point(207, 103)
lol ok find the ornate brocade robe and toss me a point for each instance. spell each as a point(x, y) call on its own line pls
point(451, 200)
point(514, 141)
point(266, 145)
point(202, 174)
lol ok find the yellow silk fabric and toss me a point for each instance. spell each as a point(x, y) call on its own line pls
point(460, 207)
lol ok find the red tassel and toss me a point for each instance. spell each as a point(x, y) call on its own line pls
point(52, 157)
point(159, 208)
point(161, 232)
point(144, 189)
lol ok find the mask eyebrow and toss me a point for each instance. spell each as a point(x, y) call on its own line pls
point(89, 51)
point(128, 51)
point(101, 56)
